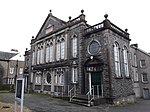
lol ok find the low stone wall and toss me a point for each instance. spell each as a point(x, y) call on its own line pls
point(124, 100)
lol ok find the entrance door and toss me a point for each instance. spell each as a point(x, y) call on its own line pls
point(96, 82)
point(146, 93)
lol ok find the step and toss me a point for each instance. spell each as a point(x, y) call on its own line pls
point(81, 100)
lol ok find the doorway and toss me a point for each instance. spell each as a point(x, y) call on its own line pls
point(96, 82)
point(146, 93)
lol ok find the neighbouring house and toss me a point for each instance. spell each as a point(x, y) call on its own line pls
point(141, 71)
point(75, 56)
point(10, 68)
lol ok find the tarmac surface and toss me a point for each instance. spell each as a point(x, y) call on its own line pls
point(45, 103)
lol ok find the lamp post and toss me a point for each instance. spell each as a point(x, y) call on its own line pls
point(16, 70)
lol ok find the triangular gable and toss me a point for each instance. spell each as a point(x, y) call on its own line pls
point(51, 23)
point(6, 55)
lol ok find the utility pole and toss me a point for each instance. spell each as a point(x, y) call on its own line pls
point(16, 70)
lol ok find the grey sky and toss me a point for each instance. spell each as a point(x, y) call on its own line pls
point(22, 19)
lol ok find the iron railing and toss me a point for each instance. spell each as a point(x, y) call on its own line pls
point(72, 92)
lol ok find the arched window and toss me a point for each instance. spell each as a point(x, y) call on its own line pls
point(47, 54)
point(49, 78)
point(58, 51)
point(74, 75)
point(41, 55)
point(61, 78)
point(125, 60)
point(38, 56)
point(51, 52)
point(74, 46)
point(62, 49)
point(117, 60)
point(55, 79)
point(33, 57)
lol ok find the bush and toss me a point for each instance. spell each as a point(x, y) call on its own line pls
point(6, 87)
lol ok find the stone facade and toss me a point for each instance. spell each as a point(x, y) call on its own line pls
point(140, 71)
point(10, 68)
point(82, 57)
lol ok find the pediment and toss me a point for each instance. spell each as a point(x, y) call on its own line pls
point(51, 24)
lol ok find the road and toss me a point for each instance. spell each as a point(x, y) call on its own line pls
point(45, 103)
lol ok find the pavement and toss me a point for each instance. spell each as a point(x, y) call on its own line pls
point(45, 103)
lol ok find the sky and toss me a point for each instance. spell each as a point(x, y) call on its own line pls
point(22, 19)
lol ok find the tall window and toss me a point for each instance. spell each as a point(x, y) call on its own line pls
point(51, 53)
point(142, 63)
point(55, 79)
point(48, 78)
point(58, 51)
point(144, 77)
point(38, 56)
point(11, 69)
point(74, 46)
point(21, 71)
point(38, 79)
point(135, 60)
point(136, 77)
point(31, 77)
point(74, 75)
point(61, 78)
point(41, 55)
point(117, 60)
point(62, 49)
point(33, 56)
point(125, 57)
point(47, 54)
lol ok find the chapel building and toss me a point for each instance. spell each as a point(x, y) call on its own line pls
point(75, 56)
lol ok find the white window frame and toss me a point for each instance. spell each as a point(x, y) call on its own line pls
point(117, 60)
point(51, 53)
point(141, 63)
point(38, 79)
point(135, 60)
point(58, 51)
point(74, 47)
point(56, 79)
point(61, 78)
point(33, 57)
point(74, 77)
point(21, 71)
point(125, 60)
point(11, 70)
point(38, 56)
point(47, 54)
point(31, 77)
point(41, 55)
point(143, 77)
point(62, 49)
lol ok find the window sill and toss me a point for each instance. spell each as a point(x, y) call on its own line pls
point(127, 77)
point(47, 84)
point(145, 82)
point(59, 84)
point(143, 67)
point(74, 82)
point(37, 84)
point(118, 77)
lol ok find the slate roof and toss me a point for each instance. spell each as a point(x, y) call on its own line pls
point(6, 55)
